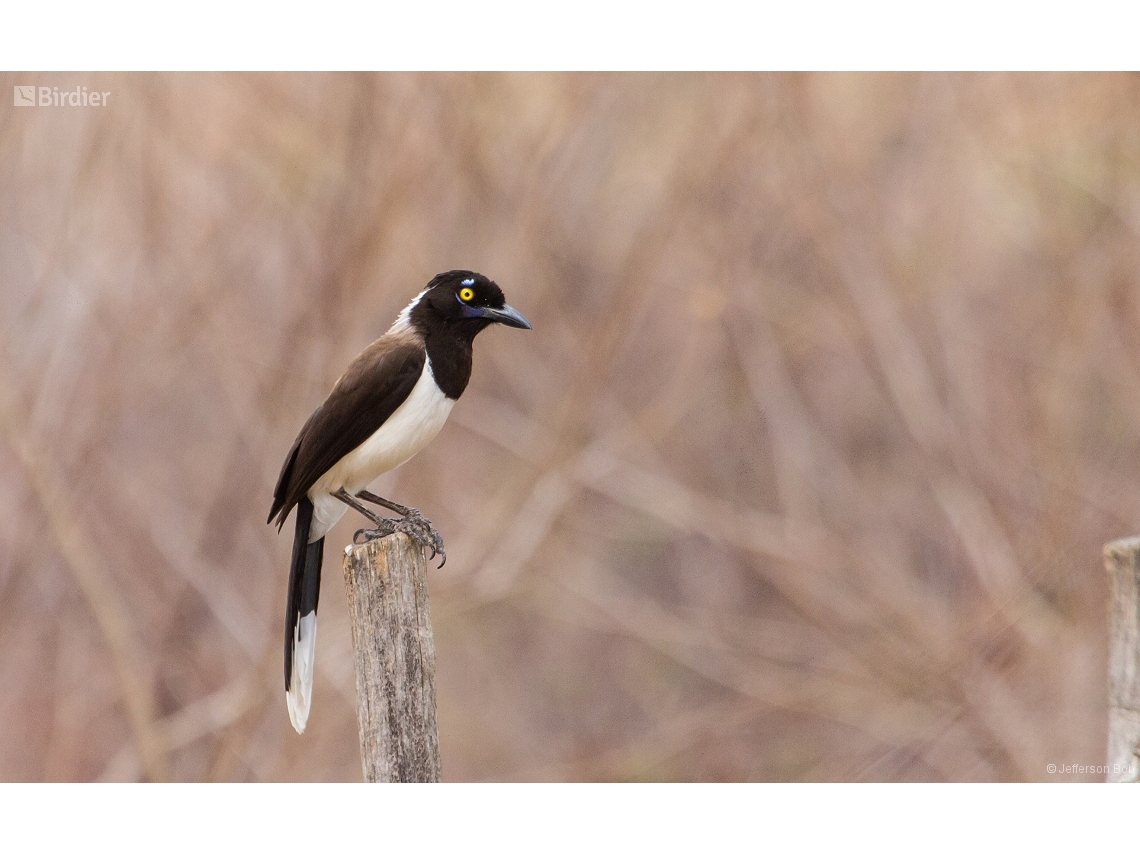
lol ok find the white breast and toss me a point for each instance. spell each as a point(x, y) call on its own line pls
point(413, 425)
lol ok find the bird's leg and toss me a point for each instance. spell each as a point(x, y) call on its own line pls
point(385, 503)
point(347, 498)
point(414, 524)
point(384, 527)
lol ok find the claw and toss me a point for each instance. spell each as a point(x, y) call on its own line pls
point(416, 526)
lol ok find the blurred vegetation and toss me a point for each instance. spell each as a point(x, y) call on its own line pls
point(833, 397)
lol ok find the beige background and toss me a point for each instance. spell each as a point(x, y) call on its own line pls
point(832, 398)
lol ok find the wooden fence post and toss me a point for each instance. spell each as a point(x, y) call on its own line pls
point(386, 581)
point(1122, 561)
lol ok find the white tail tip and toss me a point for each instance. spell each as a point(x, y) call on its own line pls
point(300, 693)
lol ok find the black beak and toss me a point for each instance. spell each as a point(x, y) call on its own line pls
point(507, 316)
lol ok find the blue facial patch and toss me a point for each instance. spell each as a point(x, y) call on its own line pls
point(469, 311)
point(468, 282)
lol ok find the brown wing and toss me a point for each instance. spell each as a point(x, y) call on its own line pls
point(375, 384)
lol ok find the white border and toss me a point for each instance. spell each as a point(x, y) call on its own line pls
point(581, 34)
point(567, 818)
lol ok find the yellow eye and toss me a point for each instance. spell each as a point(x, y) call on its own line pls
point(466, 295)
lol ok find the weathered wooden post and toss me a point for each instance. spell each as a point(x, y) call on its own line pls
point(1122, 561)
point(386, 581)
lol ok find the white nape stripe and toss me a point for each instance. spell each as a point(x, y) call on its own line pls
point(403, 320)
point(300, 694)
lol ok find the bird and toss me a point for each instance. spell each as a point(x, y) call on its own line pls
point(390, 402)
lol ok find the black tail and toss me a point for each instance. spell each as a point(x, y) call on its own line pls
point(304, 580)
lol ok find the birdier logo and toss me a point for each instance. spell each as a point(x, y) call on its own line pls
point(52, 96)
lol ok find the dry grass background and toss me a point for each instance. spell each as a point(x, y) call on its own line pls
point(832, 398)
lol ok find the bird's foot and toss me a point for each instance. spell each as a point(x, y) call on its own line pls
point(415, 525)
point(419, 528)
point(383, 529)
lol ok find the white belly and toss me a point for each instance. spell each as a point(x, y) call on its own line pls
point(413, 425)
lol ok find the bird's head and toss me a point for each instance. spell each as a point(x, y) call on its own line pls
point(465, 303)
